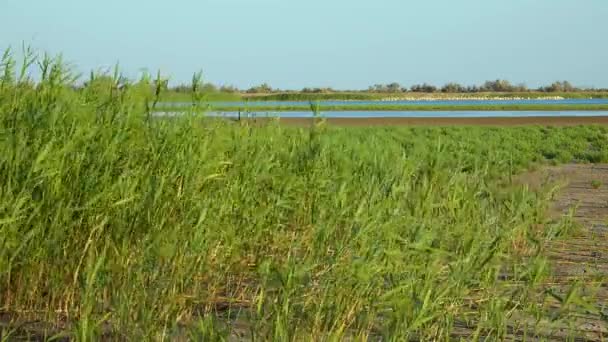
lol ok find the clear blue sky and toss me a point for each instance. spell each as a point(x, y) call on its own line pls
point(338, 43)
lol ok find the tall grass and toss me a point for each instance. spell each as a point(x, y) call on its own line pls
point(117, 224)
point(172, 96)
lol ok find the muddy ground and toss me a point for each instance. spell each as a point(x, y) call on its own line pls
point(514, 121)
point(577, 261)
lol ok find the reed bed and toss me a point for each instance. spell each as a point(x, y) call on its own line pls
point(117, 224)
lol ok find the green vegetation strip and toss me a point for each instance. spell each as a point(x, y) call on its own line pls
point(118, 226)
point(599, 107)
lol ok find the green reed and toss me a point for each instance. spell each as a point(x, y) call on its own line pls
point(115, 223)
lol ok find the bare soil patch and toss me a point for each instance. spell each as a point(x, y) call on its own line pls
point(579, 262)
point(519, 121)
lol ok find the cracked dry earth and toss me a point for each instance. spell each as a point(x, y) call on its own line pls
point(579, 261)
point(584, 256)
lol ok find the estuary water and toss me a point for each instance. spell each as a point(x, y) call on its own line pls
point(400, 114)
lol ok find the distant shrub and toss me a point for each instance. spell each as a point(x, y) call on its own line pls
point(453, 88)
point(423, 88)
point(263, 88)
point(386, 88)
point(564, 86)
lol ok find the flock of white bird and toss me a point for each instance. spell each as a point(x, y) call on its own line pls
point(466, 98)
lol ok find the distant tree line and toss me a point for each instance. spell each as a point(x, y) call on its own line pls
point(502, 86)
point(564, 86)
point(318, 90)
point(498, 85)
point(206, 88)
point(387, 88)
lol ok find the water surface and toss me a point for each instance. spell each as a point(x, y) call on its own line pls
point(403, 114)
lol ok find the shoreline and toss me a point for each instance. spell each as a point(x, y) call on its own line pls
point(415, 96)
point(475, 98)
point(447, 121)
point(391, 107)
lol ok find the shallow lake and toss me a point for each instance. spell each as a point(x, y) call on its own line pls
point(402, 114)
